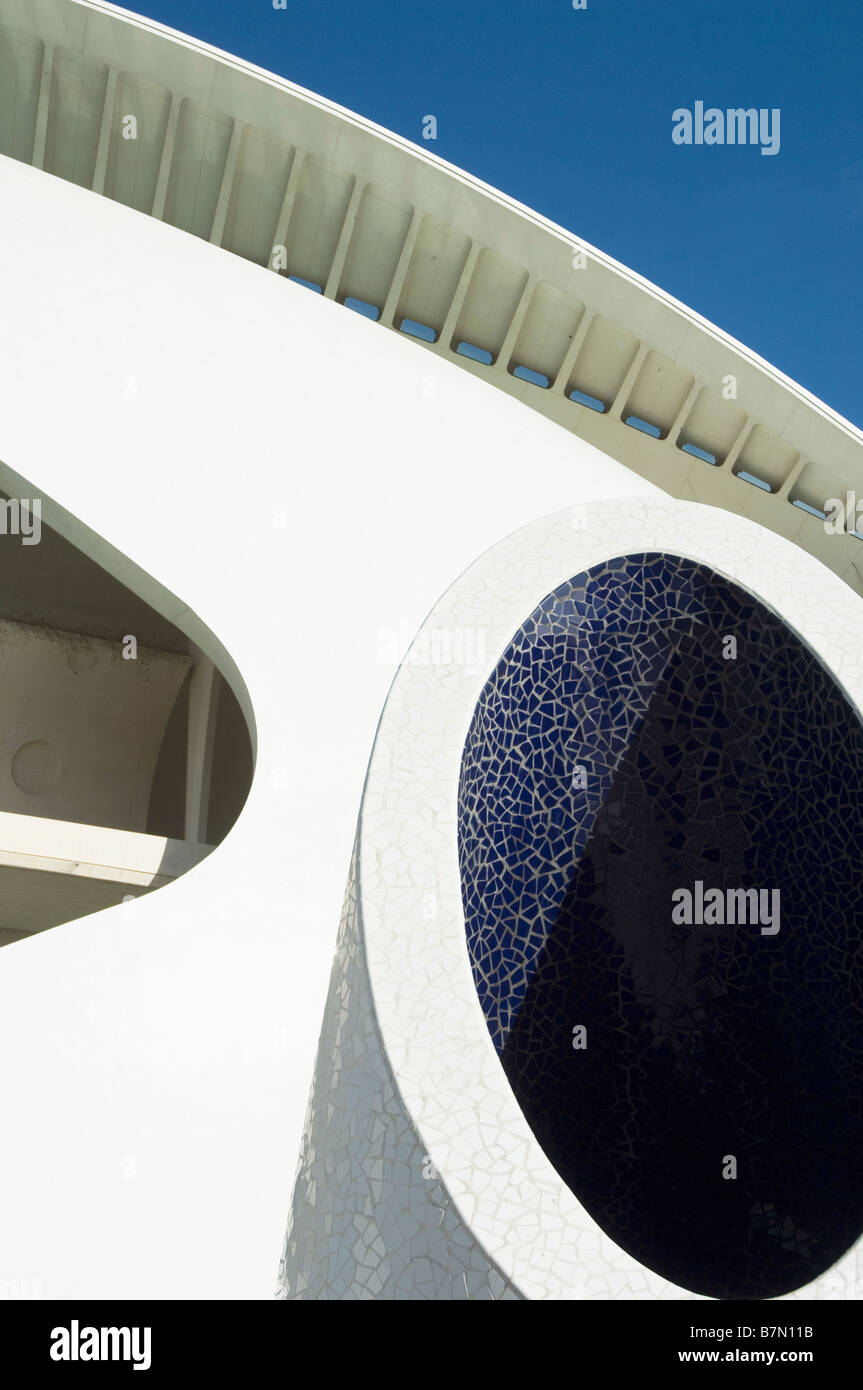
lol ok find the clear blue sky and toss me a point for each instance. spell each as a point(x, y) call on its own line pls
point(570, 112)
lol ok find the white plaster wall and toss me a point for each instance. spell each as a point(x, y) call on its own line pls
point(304, 485)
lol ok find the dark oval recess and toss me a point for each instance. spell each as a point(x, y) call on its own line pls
point(704, 1043)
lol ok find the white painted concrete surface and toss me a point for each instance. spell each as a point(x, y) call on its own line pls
point(301, 488)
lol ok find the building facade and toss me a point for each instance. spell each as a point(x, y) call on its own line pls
point(313, 426)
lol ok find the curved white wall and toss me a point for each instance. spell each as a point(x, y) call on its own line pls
point(248, 161)
point(519, 1213)
point(306, 487)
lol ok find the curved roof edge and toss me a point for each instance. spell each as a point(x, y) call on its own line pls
point(291, 181)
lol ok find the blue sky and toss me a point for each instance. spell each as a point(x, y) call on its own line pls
point(570, 112)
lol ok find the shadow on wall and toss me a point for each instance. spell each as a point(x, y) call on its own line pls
point(125, 756)
point(694, 1076)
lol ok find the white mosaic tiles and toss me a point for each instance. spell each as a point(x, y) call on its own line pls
point(369, 1219)
point(441, 1090)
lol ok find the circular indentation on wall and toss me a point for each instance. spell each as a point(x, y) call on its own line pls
point(36, 767)
point(653, 1050)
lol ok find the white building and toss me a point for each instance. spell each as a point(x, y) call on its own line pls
point(273, 498)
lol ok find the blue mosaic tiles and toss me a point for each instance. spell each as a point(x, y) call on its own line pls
point(651, 727)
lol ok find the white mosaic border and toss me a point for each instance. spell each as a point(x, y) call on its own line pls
point(368, 1219)
point(431, 1023)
